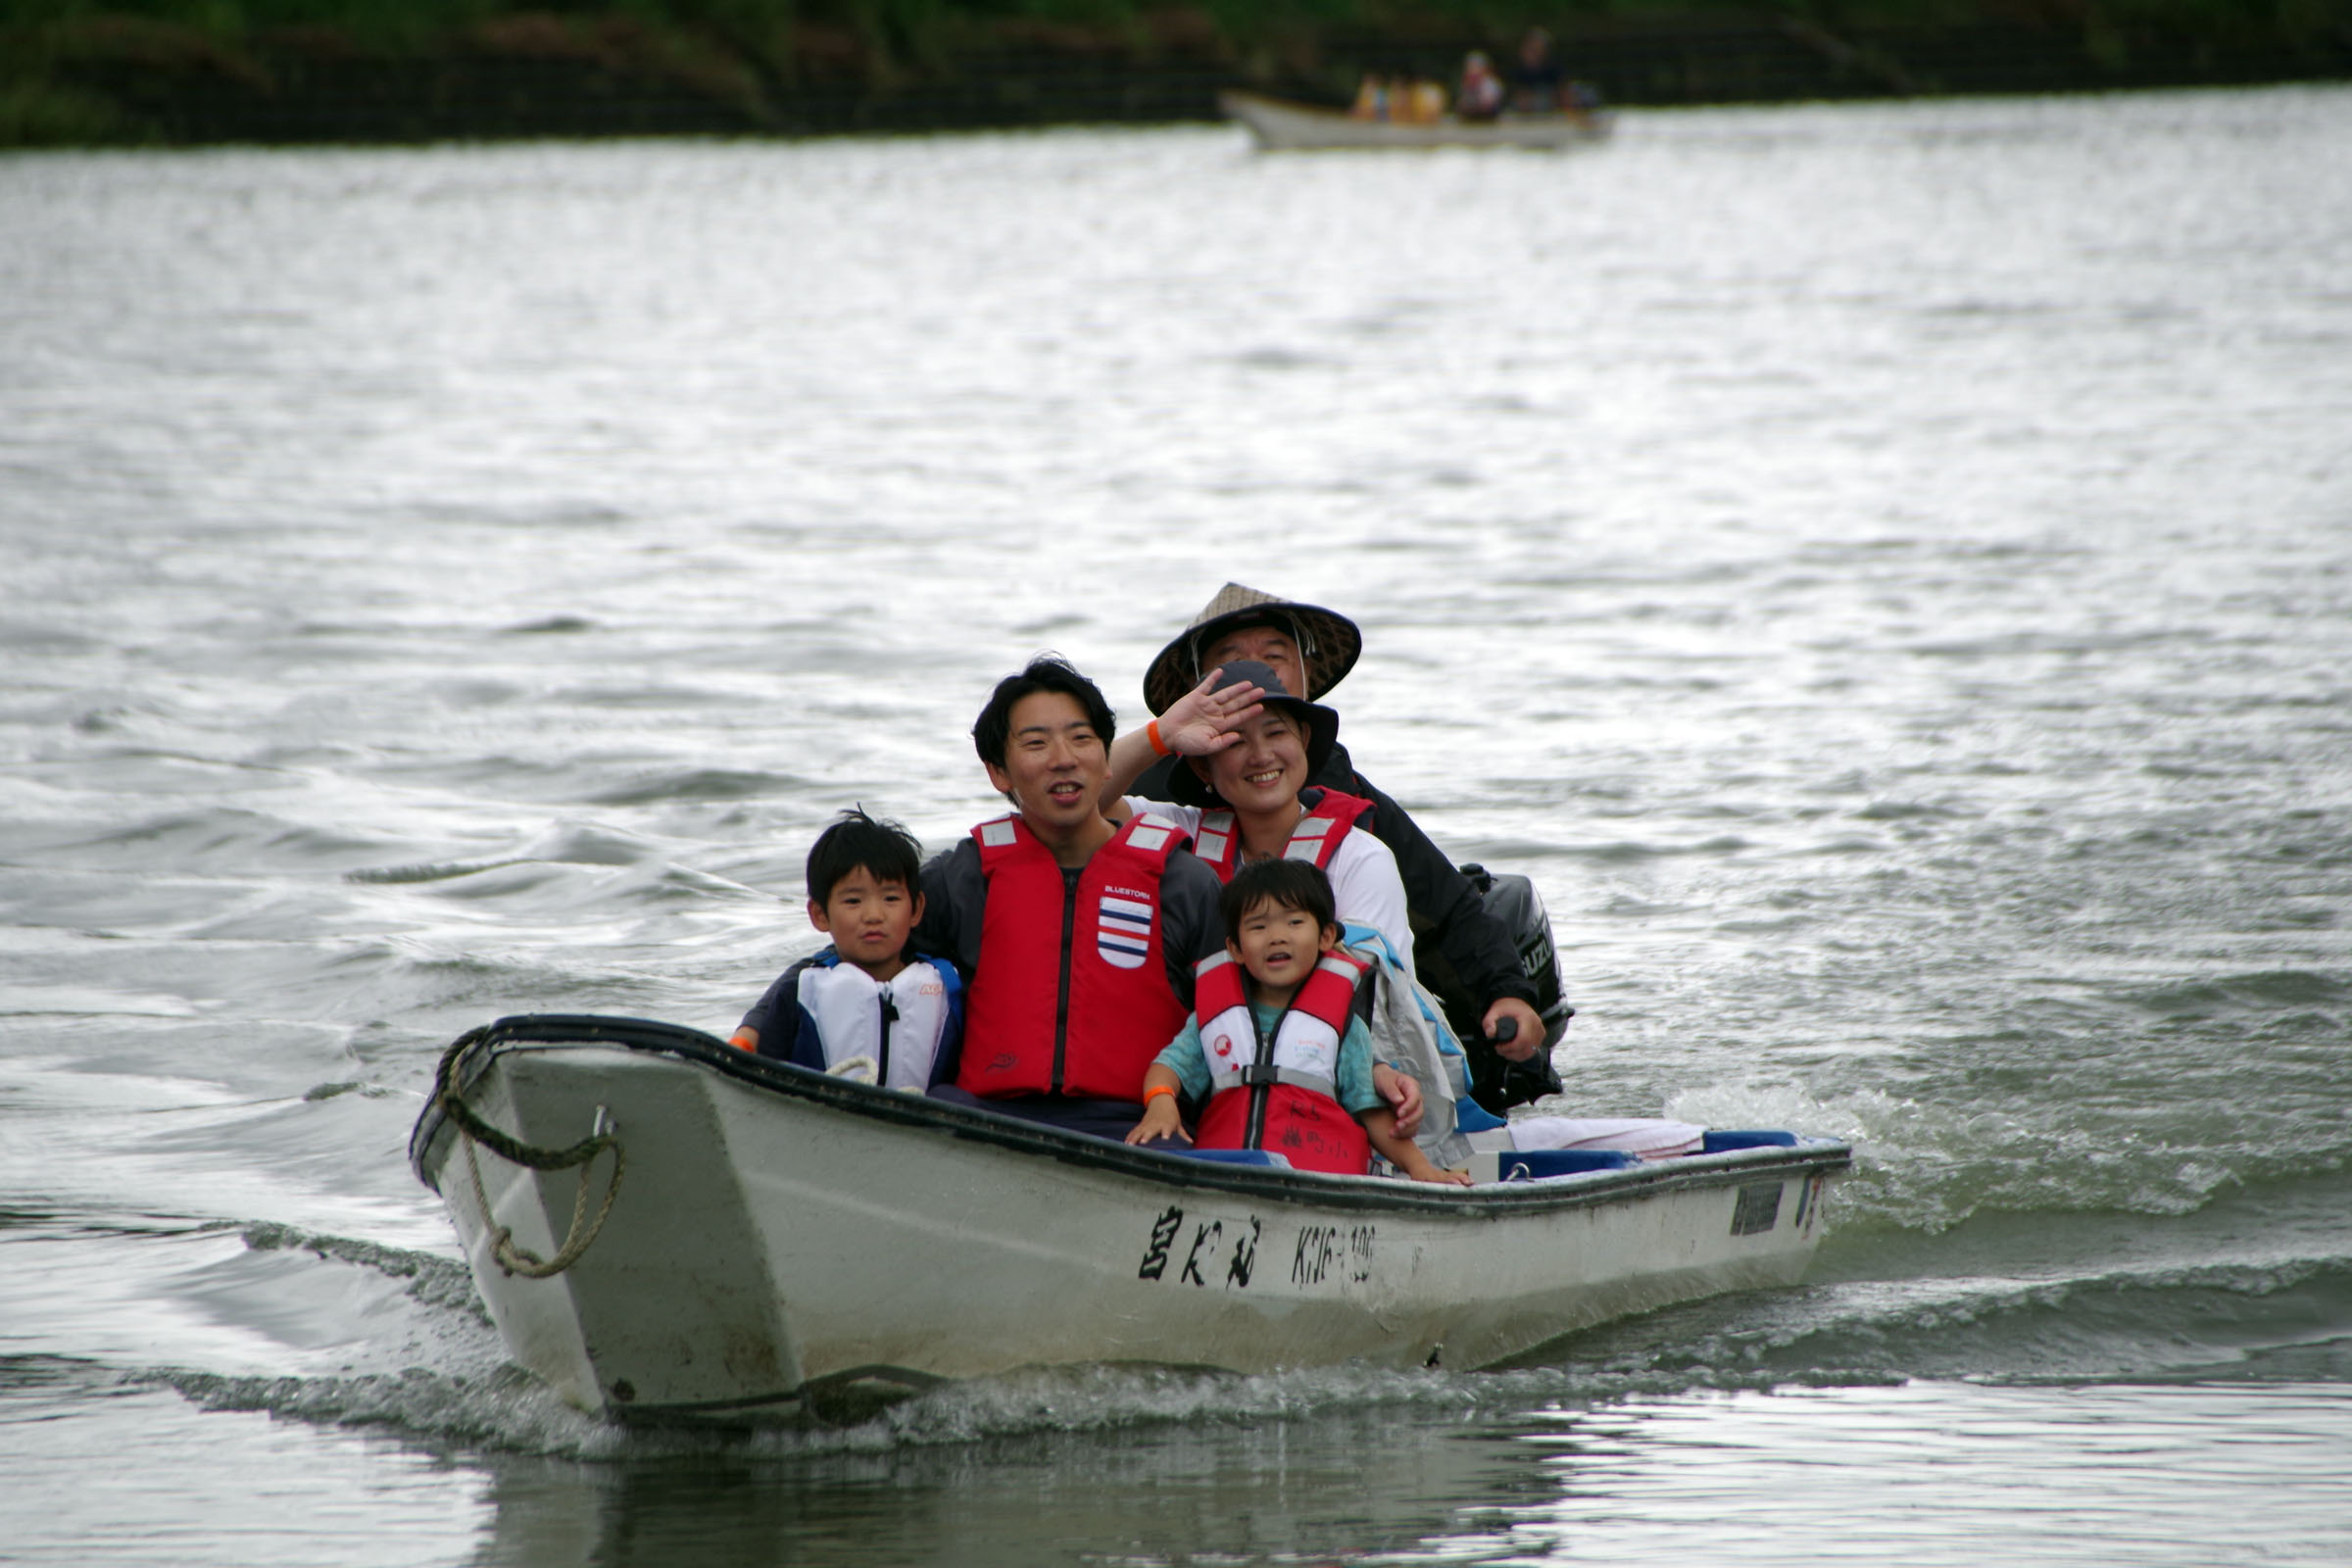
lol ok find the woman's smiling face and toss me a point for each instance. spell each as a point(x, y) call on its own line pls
point(1266, 768)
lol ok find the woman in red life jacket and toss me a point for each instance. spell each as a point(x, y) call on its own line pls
point(1247, 748)
point(1273, 1046)
point(1243, 793)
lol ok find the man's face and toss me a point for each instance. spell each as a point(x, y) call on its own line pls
point(1055, 764)
point(1268, 646)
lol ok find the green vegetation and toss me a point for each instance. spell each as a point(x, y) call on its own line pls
point(914, 28)
point(34, 113)
point(100, 70)
point(418, 22)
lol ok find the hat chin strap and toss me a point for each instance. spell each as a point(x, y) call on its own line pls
point(1299, 638)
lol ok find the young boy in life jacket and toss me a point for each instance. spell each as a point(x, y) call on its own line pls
point(1273, 1046)
point(867, 1007)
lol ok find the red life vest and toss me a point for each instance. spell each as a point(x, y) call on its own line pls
point(1316, 838)
point(1280, 1094)
point(1071, 995)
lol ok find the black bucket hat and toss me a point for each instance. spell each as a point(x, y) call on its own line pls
point(1322, 727)
point(1328, 641)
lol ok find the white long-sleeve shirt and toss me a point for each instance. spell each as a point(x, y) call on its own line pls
point(1366, 887)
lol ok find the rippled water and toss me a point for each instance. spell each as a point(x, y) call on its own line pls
point(1885, 572)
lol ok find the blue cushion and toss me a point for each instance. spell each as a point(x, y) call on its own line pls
point(1472, 1117)
point(1232, 1157)
point(1725, 1142)
point(1534, 1164)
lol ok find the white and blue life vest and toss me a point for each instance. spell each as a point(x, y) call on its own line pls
point(897, 1024)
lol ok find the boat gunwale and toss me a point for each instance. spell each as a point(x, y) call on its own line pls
point(1512, 129)
point(533, 1032)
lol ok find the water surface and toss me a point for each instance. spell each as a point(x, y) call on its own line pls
point(1886, 573)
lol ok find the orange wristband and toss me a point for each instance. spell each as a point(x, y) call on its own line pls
point(1156, 1089)
point(1159, 748)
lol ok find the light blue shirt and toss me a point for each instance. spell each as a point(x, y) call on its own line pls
point(1189, 1060)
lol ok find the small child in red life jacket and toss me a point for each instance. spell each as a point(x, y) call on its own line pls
point(1273, 1046)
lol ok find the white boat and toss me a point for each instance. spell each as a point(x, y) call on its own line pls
point(747, 1240)
point(1281, 127)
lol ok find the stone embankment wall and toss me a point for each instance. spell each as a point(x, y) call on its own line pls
point(612, 80)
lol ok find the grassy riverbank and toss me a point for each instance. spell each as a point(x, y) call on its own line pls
point(80, 72)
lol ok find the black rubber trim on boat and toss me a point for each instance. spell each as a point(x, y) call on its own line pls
point(1079, 1148)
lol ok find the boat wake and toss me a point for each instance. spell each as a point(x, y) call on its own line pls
point(2246, 1322)
point(441, 1282)
point(395, 1340)
point(2241, 1322)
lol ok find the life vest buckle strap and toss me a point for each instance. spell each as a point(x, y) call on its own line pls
point(1254, 1075)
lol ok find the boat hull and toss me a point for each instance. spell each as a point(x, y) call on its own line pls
point(778, 1233)
point(1279, 127)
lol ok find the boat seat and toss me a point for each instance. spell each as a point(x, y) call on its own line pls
point(1723, 1143)
point(1536, 1165)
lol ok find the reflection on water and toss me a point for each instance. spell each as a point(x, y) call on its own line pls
point(2069, 1475)
point(1338, 1488)
point(1934, 1474)
point(211, 1486)
point(2096, 1475)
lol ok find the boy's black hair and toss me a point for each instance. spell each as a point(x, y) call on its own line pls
point(992, 731)
point(1293, 884)
point(882, 849)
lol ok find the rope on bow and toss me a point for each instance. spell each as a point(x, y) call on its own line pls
point(511, 1257)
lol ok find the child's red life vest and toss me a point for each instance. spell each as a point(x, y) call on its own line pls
point(1280, 1094)
point(1071, 992)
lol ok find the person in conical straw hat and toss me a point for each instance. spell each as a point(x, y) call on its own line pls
point(1310, 649)
point(1319, 646)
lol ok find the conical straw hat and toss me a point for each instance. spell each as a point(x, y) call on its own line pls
point(1329, 641)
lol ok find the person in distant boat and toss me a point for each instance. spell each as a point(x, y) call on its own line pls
point(1076, 935)
point(1537, 87)
point(1280, 996)
point(1310, 649)
point(1481, 95)
point(1539, 84)
point(869, 1005)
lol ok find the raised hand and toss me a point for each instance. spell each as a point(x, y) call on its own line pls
point(1204, 721)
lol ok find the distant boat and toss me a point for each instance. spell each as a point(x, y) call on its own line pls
point(780, 1242)
point(1281, 127)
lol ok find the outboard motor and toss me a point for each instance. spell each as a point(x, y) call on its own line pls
point(1496, 1083)
point(1513, 900)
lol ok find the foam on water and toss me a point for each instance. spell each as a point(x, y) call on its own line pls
point(396, 1339)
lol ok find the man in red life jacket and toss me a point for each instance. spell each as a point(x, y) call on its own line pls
point(1077, 936)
